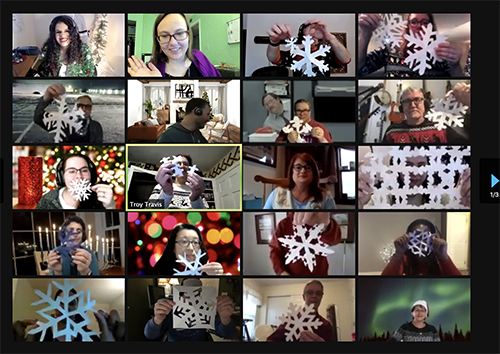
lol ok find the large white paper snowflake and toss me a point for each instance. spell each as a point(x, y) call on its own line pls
point(64, 121)
point(64, 305)
point(447, 112)
point(420, 243)
point(80, 189)
point(195, 307)
point(192, 268)
point(422, 52)
point(177, 171)
point(309, 59)
point(390, 31)
point(299, 319)
point(304, 245)
point(302, 129)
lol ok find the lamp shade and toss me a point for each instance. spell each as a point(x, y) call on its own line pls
point(30, 179)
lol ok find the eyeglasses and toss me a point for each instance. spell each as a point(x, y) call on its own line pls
point(300, 167)
point(416, 23)
point(185, 243)
point(81, 105)
point(73, 171)
point(300, 111)
point(311, 292)
point(420, 310)
point(179, 36)
point(417, 101)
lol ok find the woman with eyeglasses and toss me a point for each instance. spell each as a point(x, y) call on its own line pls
point(185, 240)
point(418, 330)
point(393, 60)
point(317, 134)
point(173, 55)
point(303, 190)
point(64, 53)
point(78, 187)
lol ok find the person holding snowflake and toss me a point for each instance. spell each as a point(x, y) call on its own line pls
point(392, 59)
point(337, 57)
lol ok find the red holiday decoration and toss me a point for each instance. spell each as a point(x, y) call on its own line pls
point(51, 161)
point(112, 155)
point(102, 163)
point(30, 179)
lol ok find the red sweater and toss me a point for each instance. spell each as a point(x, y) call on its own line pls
point(331, 236)
point(283, 137)
point(395, 267)
point(325, 331)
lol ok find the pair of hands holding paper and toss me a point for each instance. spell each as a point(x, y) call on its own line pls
point(81, 258)
point(165, 178)
point(439, 246)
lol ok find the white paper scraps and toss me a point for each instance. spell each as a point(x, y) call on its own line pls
point(299, 319)
point(195, 307)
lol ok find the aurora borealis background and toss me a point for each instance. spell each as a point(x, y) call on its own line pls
point(384, 304)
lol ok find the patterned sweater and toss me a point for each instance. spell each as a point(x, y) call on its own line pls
point(403, 133)
point(409, 333)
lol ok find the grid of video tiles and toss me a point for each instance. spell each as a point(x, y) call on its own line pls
point(241, 177)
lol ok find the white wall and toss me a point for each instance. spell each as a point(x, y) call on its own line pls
point(257, 25)
point(233, 102)
point(23, 297)
point(135, 101)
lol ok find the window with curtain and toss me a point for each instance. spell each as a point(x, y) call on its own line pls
point(250, 304)
point(347, 176)
point(158, 98)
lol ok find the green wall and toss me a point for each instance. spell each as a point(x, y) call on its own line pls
point(212, 34)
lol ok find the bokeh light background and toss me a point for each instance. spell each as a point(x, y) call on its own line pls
point(149, 232)
point(384, 304)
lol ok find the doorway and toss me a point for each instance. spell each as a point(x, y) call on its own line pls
point(195, 29)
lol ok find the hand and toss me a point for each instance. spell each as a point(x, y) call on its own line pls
point(301, 218)
point(225, 308)
point(164, 178)
point(449, 52)
point(82, 259)
point(162, 309)
point(365, 189)
point(440, 247)
point(197, 185)
point(105, 195)
point(310, 336)
point(461, 92)
point(138, 68)
point(401, 245)
point(369, 22)
point(213, 268)
point(54, 262)
point(293, 136)
point(279, 32)
point(465, 188)
point(21, 328)
point(110, 326)
point(54, 91)
point(317, 29)
point(318, 133)
point(285, 273)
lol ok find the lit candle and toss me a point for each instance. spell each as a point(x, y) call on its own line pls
point(107, 249)
point(103, 253)
point(97, 248)
point(48, 239)
point(54, 236)
point(90, 237)
point(90, 243)
point(112, 249)
point(41, 245)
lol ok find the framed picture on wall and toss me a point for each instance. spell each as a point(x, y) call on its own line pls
point(265, 224)
point(265, 155)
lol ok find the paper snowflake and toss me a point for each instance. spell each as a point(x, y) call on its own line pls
point(80, 189)
point(309, 59)
point(66, 245)
point(65, 305)
point(422, 51)
point(177, 171)
point(420, 243)
point(390, 31)
point(392, 181)
point(299, 319)
point(192, 268)
point(447, 112)
point(192, 169)
point(64, 121)
point(195, 307)
point(304, 245)
point(302, 129)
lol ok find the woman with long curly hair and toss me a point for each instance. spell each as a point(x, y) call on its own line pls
point(64, 53)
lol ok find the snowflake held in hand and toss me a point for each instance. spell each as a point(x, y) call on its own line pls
point(195, 307)
point(176, 169)
point(192, 268)
point(64, 121)
point(299, 319)
point(390, 31)
point(305, 245)
point(422, 51)
point(80, 189)
point(447, 112)
point(309, 59)
point(66, 245)
point(302, 129)
point(65, 305)
point(420, 243)
point(192, 169)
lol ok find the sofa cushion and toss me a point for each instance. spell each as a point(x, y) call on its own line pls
point(148, 123)
point(160, 121)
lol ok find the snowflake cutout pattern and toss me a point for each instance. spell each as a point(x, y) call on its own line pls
point(309, 59)
point(195, 307)
point(64, 121)
point(420, 243)
point(421, 51)
point(176, 169)
point(192, 268)
point(80, 189)
point(447, 112)
point(302, 129)
point(390, 31)
point(62, 304)
point(192, 169)
point(304, 245)
point(66, 245)
point(299, 319)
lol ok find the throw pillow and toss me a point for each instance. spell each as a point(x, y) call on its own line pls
point(148, 123)
point(160, 121)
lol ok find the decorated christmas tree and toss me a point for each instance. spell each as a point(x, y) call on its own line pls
point(204, 96)
point(99, 39)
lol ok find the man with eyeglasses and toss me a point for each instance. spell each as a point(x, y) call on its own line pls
point(278, 116)
point(312, 294)
point(416, 128)
point(90, 132)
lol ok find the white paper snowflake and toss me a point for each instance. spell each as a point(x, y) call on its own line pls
point(63, 305)
point(299, 319)
point(64, 121)
point(192, 169)
point(302, 129)
point(195, 307)
point(309, 59)
point(390, 31)
point(192, 268)
point(420, 242)
point(391, 181)
point(80, 189)
point(304, 245)
point(422, 51)
point(177, 171)
point(447, 112)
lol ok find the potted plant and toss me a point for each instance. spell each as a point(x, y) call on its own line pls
point(149, 107)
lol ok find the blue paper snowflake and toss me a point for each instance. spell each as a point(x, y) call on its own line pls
point(67, 246)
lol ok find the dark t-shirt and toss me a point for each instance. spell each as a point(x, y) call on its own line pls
point(178, 134)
